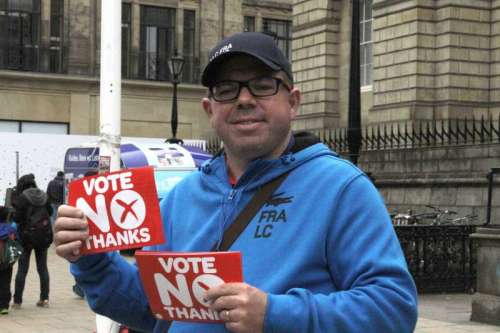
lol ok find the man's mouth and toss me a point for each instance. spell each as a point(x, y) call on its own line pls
point(246, 122)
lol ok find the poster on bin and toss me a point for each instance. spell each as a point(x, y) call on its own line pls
point(121, 208)
point(175, 283)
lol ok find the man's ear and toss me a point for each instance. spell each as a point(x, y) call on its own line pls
point(294, 100)
point(207, 106)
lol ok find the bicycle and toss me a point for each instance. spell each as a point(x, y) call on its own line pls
point(462, 220)
point(401, 219)
point(436, 217)
point(409, 218)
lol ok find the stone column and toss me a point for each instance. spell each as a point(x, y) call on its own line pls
point(44, 36)
point(80, 53)
point(135, 30)
point(233, 17)
point(179, 30)
point(495, 59)
point(259, 22)
point(315, 61)
point(94, 37)
point(210, 29)
point(486, 301)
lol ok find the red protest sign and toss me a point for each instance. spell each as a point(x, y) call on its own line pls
point(121, 207)
point(175, 283)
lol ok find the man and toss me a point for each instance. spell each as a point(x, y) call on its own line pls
point(55, 193)
point(320, 256)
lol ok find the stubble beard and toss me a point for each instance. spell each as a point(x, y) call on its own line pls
point(258, 146)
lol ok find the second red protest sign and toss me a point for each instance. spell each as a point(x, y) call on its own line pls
point(121, 207)
point(175, 282)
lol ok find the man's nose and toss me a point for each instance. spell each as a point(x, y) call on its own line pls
point(245, 97)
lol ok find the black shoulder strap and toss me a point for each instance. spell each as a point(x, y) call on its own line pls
point(241, 222)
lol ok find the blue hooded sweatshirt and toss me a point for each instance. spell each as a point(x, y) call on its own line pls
point(323, 248)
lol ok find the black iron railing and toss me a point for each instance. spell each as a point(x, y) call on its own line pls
point(154, 66)
point(440, 258)
point(409, 134)
point(214, 144)
point(33, 58)
point(417, 134)
point(137, 66)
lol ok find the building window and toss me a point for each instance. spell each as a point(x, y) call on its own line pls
point(56, 36)
point(366, 42)
point(19, 34)
point(191, 63)
point(126, 35)
point(249, 23)
point(33, 127)
point(157, 42)
point(282, 32)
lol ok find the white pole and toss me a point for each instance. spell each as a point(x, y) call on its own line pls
point(110, 105)
point(110, 89)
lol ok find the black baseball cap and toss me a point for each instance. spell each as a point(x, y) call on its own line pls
point(256, 44)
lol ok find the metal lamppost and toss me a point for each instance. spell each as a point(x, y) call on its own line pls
point(175, 65)
point(354, 112)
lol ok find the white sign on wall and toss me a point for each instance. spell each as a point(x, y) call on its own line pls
point(42, 155)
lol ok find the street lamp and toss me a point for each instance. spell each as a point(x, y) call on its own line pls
point(354, 111)
point(175, 65)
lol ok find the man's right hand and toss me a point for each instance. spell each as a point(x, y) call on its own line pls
point(71, 230)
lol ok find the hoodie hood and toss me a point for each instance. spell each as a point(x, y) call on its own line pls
point(306, 146)
point(35, 196)
point(24, 182)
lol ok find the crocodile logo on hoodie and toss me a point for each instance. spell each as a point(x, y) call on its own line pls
point(277, 200)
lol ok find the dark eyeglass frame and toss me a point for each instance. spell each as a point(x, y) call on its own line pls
point(246, 84)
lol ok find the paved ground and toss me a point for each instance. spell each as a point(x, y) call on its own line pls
point(69, 314)
point(448, 314)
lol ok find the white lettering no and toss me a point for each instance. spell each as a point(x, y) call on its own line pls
point(100, 216)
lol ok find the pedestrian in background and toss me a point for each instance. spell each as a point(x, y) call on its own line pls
point(55, 194)
point(35, 230)
point(7, 231)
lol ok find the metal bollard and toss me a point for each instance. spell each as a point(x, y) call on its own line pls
point(490, 177)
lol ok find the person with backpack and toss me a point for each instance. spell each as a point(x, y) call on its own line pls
point(32, 215)
point(55, 194)
point(7, 233)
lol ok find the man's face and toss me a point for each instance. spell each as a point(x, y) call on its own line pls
point(250, 126)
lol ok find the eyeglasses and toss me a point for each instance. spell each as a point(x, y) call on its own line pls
point(264, 86)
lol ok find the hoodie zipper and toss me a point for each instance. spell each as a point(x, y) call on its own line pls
point(231, 195)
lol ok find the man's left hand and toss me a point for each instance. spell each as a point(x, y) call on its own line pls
point(240, 305)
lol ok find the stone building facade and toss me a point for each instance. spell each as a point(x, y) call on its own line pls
point(422, 62)
point(429, 60)
point(422, 59)
point(49, 61)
